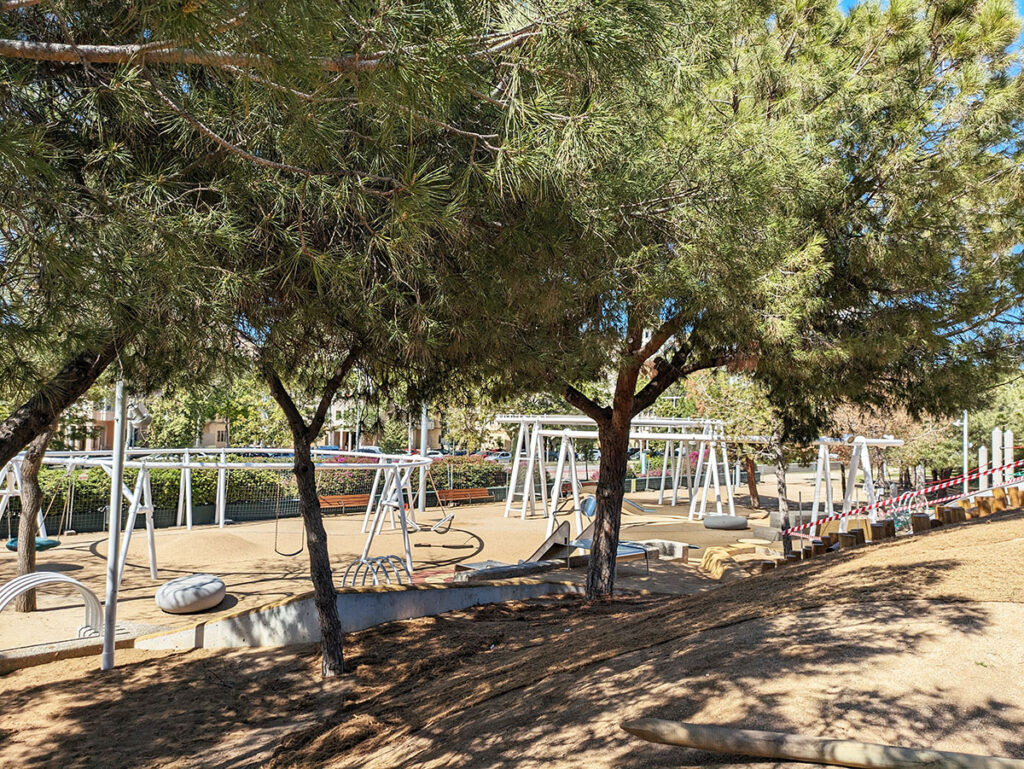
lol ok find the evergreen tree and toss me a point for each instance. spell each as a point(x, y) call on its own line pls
point(831, 202)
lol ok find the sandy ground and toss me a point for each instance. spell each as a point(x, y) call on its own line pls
point(243, 556)
point(916, 642)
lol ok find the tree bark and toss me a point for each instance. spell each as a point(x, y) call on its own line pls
point(780, 478)
point(31, 504)
point(755, 498)
point(613, 438)
point(41, 410)
point(614, 441)
point(325, 596)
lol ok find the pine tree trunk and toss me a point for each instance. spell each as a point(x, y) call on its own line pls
point(755, 498)
point(31, 504)
point(325, 597)
point(40, 411)
point(614, 441)
point(780, 478)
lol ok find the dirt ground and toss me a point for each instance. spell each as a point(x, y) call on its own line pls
point(916, 643)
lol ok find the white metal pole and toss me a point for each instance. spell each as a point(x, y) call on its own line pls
point(997, 456)
point(664, 469)
point(982, 467)
point(373, 495)
point(528, 491)
point(556, 487)
point(114, 533)
point(967, 483)
point(1008, 476)
point(728, 481)
point(677, 466)
point(819, 477)
point(422, 506)
point(188, 493)
point(514, 476)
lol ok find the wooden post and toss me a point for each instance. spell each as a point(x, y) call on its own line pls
point(818, 547)
point(847, 540)
point(890, 528)
point(920, 522)
point(877, 531)
point(859, 534)
point(792, 557)
point(767, 564)
point(807, 551)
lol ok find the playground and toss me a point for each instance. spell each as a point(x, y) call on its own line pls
point(547, 682)
point(243, 555)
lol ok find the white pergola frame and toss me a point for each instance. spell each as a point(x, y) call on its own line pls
point(678, 434)
point(395, 470)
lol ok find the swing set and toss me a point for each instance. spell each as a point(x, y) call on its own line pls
point(13, 489)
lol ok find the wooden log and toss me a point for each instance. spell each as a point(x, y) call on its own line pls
point(999, 500)
point(890, 528)
point(847, 540)
point(818, 547)
point(807, 551)
point(985, 506)
point(920, 522)
point(828, 540)
point(860, 535)
point(935, 523)
point(767, 564)
point(780, 746)
point(792, 557)
point(944, 514)
point(877, 531)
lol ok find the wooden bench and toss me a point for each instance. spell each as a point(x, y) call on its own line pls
point(464, 495)
point(344, 501)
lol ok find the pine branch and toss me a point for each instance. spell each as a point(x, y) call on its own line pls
point(671, 372)
point(588, 406)
point(169, 52)
point(236, 150)
point(330, 388)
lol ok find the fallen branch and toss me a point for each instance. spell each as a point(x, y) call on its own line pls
point(815, 750)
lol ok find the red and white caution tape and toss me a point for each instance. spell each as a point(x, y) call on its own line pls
point(896, 501)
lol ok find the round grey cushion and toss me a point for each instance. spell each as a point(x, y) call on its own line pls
point(727, 522)
point(186, 595)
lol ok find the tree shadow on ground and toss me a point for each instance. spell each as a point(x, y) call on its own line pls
point(524, 684)
point(567, 675)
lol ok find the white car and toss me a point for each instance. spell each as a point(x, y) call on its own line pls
point(369, 450)
point(502, 457)
point(435, 455)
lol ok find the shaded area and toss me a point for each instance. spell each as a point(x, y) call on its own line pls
point(913, 643)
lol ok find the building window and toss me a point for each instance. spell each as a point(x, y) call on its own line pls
point(221, 437)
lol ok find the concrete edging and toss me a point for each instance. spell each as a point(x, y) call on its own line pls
point(294, 620)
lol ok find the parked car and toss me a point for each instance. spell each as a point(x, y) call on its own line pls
point(502, 457)
point(370, 450)
point(435, 455)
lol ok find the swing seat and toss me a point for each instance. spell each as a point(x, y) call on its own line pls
point(42, 543)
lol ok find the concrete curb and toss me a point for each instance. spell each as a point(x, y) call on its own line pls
point(294, 621)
